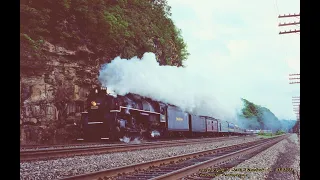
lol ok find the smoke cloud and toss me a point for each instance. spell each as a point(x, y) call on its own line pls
point(186, 87)
point(127, 140)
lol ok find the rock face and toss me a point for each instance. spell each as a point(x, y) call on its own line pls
point(51, 102)
point(41, 119)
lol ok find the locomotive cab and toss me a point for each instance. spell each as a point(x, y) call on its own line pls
point(96, 121)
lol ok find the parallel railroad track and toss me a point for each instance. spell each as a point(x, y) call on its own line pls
point(32, 147)
point(44, 154)
point(74, 144)
point(185, 166)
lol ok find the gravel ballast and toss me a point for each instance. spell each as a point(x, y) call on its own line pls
point(279, 162)
point(88, 145)
point(59, 168)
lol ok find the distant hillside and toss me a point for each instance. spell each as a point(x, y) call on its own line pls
point(254, 116)
point(287, 124)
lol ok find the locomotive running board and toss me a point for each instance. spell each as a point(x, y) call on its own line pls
point(122, 107)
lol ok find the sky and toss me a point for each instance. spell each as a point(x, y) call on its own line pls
point(237, 43)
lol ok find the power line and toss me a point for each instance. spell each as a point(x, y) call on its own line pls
point(288, 32)
point(289, 24)
point(289, 15)
point(294, 78)
point(294, 83)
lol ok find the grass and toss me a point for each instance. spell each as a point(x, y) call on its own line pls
point(266, 135)
point(269, 135)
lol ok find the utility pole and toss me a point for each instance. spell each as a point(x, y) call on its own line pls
point(294, 77)
point(290, 23)
point(296, 100)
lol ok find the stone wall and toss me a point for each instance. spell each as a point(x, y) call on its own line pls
point(76, 69)
point(38, 111)
point(39, 116)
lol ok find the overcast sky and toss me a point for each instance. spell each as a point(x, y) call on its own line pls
point(238, 43)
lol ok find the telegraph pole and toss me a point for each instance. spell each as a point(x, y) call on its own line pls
point(296, 106)
point(295, 77)
point(289, 24)
point(296, 100)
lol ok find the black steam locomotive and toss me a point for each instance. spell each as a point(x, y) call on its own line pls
point(110, 117)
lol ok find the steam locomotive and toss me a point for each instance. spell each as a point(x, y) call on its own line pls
point(113, 117)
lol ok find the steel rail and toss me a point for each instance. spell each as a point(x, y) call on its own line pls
point(115, 172)
point(190, 170)
point(44, 154)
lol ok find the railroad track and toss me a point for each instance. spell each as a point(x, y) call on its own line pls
point(44, 154)
point(30, 147)
point(189, 166)
point(37, 147)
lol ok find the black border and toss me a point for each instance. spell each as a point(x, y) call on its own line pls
point(308, 120)
point(13, 124)
point(309, 46)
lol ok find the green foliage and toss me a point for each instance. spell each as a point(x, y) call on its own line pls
point(109, 28)
point(265, 135)
point(251, 110)
point(258, 117)
point(279, 132)
point(67, 4)
point(32, 60)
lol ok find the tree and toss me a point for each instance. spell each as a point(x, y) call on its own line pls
point(107, 27)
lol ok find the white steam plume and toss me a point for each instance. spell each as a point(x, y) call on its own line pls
point(187, 88)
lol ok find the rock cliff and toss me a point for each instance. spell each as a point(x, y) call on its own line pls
point(42, 120)
point(63, 43)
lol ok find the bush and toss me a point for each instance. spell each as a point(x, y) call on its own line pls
point(279, 132)
point(265, 134)
point(108, 28)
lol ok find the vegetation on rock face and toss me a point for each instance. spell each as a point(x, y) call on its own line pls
point(251, 110)
point(64, 42)
point(109, 28)
point(257, 117)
